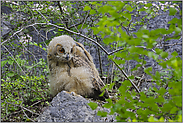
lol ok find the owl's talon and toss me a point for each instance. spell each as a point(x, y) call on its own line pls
point(73, 93)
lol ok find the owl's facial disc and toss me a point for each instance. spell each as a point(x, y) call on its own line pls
point(63, 55)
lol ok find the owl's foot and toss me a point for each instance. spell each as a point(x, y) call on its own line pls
point(72, 93)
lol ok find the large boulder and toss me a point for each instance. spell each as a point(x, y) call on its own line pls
point(68, 108)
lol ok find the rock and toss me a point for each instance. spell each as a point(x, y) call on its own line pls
point(68, 108)
point(5, 25)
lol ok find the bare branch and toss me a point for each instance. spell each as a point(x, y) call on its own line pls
point(61, 11)
point(115, 51)
point(173, 44)
point(22, 30)
point(126, 76)
point(146, 48)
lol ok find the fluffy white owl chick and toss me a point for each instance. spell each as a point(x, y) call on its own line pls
point(72, 69)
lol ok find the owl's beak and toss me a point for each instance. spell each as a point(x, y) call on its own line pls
point(67, 56)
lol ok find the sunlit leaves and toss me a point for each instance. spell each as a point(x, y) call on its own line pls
point(86, 8)
point(3, 62)
point(164, 54)
point(115, 28)
point(129, 8)
point(172, 11)
point(11, 74)
point(105, 8)
point(102, 113)
point(127, 15)
point(93, 105)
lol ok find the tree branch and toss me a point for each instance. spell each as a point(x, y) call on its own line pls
point(83, 37)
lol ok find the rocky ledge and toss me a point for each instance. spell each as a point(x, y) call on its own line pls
point(68, 108)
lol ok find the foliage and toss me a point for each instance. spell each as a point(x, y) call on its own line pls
point(157, 104)
point(24, 83)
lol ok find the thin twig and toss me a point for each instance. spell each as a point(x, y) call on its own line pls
point(146, 48)
point(27, 116)
point(23, 108)
point(100, 61)
point(83, 21)
point(14, 59)
point(61, 11)
point(126, 76)
point(27, 49)
point(114, 51)
point(21, 30)
point(173, 44)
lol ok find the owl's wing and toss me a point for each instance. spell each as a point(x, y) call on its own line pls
point(87, 55)
point(83, 58)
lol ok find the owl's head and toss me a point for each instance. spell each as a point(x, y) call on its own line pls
point(61, 48)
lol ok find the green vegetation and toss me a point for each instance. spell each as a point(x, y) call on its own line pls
point(24, 76)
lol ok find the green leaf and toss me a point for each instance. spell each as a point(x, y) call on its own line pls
point(148, 5)
point(152, 119)
point(174, 110)
point(44, 49)
point(102, 113)
point(93, 105)
point(92, 12)
point(108, 105)
point(3, 63)
point(112, 84)
point(40, 45)
point(60, 30)
point(145, 36)
point(10, 62)
point(174, 54)
point(174, 63)
point(164, 54)
point(166, 107)
point(162, 91)
point(177, 30)
point(86, 8)
point(35, 44)
point(127, 15)
point(158, 51)
point(172, 11)
point(129, 8)
point(147, 70)
point(161, 119)
point(11, 74)
point(104, 9)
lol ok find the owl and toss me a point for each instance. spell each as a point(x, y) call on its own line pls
point(72, 69)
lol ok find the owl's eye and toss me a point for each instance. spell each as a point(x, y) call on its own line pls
point(62, 50)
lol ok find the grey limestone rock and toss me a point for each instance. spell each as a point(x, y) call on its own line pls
point(68, 108)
